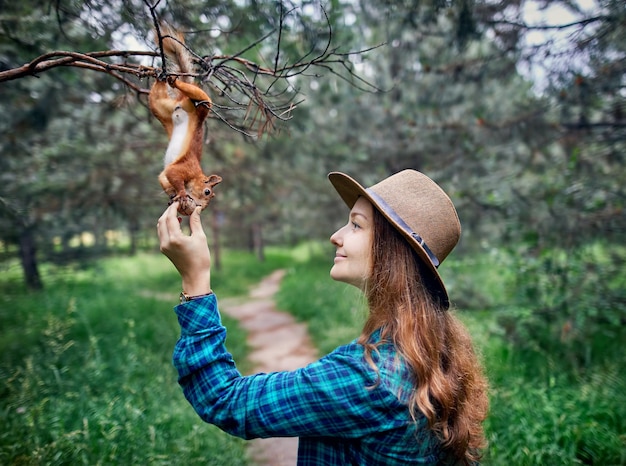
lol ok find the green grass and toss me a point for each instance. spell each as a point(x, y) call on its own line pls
point(542, 415)
point(85, 365)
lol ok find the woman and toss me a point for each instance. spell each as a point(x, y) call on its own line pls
point(409, 390)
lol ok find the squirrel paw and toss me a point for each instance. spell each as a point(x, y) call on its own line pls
point(186, 204)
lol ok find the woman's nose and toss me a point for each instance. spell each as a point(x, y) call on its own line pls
point(335, 238)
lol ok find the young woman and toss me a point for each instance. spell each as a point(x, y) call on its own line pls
point(408, 390)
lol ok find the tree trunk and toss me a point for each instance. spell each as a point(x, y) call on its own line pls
point(257, 241)
point(29, 260)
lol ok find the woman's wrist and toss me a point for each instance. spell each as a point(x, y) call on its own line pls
point(197, 286)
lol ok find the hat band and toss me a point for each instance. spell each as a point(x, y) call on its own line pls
point(402, 224)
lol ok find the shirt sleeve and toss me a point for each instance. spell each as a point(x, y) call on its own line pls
point(339, 395)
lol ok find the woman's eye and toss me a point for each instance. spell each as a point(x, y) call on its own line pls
point(355, 225)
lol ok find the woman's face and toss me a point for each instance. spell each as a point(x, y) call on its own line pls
point(353, 241)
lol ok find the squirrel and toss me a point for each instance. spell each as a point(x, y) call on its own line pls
point(182, 107)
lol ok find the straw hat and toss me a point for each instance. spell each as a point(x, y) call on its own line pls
point(418, 208)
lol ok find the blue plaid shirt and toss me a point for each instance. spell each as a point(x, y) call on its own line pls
point(343, 411)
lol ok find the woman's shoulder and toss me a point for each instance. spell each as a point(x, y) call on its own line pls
point(357, 350)
point(379, 357)
point(376, 348)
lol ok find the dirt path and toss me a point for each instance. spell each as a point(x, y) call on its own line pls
point(277, 343)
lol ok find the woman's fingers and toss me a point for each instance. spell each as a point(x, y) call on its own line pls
point(195, 224)
point(168, 226)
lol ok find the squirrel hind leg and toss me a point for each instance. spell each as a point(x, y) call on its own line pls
point(176, 193)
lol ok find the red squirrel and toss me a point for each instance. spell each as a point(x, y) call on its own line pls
point(182, 107)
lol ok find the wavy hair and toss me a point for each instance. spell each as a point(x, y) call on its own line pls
point(450, 387)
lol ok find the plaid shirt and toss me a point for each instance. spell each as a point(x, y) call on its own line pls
point(344, 411)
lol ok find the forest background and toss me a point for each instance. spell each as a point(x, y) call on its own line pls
point(517, 108)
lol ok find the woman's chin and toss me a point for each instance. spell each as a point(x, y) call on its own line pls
point(358, 282)
point(336, 275)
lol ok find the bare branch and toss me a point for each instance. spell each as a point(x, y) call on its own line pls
point(56, 59)
point(248, 96)
point(546, 27)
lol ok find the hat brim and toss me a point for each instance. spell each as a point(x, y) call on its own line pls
point(350, 190)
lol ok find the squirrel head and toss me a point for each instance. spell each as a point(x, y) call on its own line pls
point(201, 190)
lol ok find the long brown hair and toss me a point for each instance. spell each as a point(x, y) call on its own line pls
point(451, 390)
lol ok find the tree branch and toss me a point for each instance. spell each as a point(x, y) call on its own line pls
point(243, 100)
point(546, 27)
point(90, 60)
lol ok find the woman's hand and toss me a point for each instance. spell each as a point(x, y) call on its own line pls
point(189, 254)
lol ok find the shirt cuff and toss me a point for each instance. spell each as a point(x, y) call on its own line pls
point(198, 314)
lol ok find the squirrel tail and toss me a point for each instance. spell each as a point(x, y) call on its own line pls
point(178, 56)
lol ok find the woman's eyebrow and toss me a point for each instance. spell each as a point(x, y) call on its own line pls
point(358, 214)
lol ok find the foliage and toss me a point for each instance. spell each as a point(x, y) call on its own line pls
point(85, 366)
point(571, 305)
point(540, 414)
